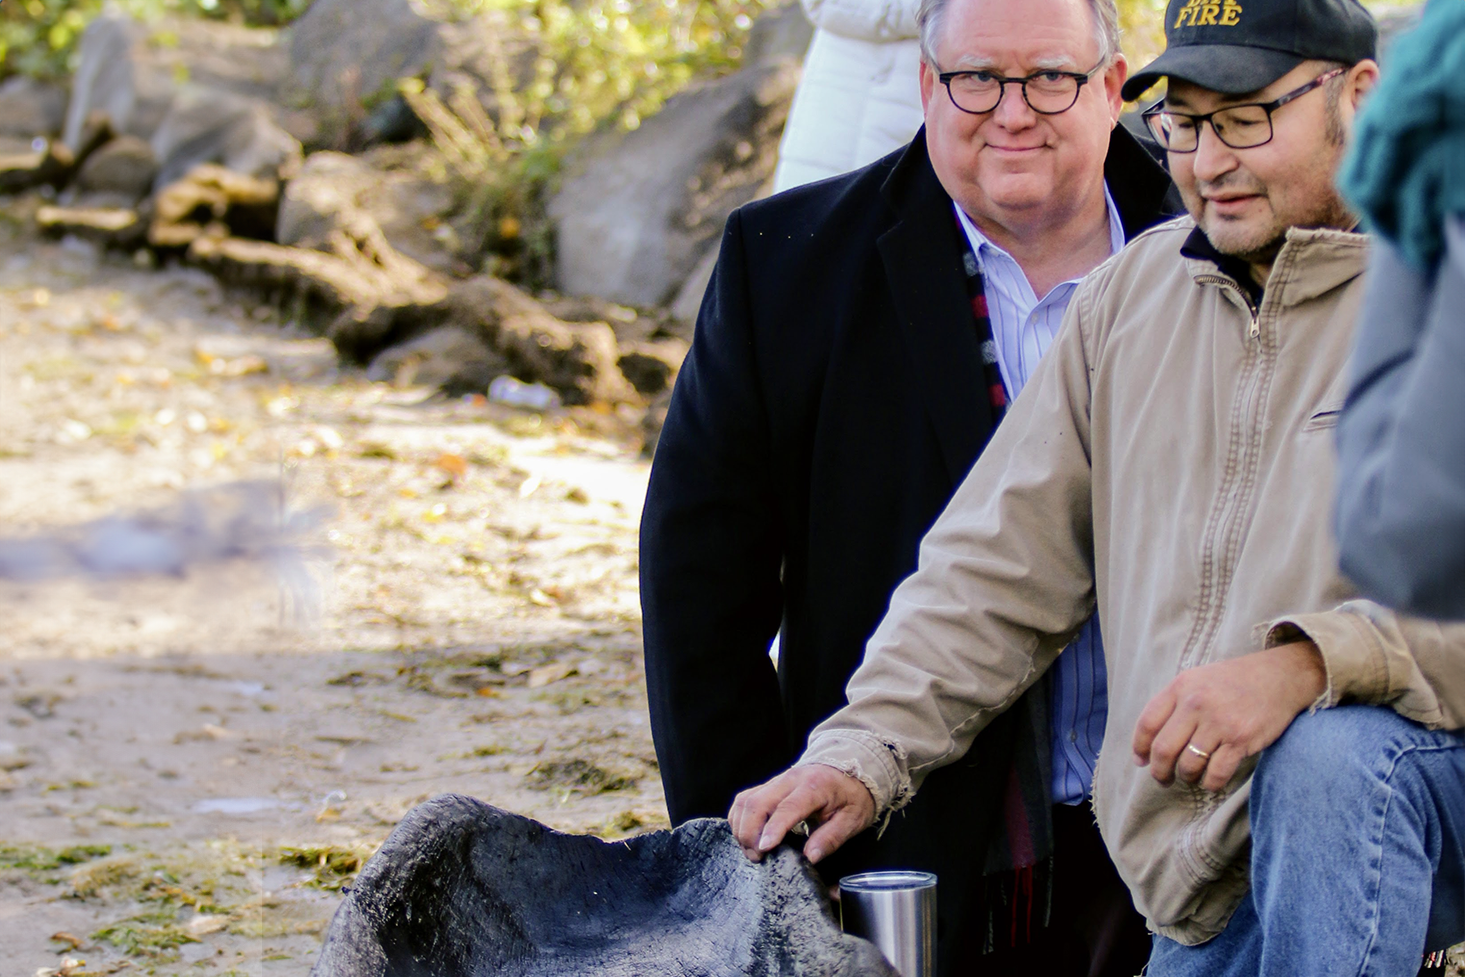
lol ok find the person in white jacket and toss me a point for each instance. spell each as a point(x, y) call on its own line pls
point(860, 97)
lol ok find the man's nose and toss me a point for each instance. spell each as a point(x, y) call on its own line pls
point(1014, 112)
point(1213, 158)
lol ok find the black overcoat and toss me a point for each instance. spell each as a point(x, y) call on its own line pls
point(832, 401)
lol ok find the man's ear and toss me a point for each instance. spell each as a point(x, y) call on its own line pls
point(929, 82)
point(1114, 78)
point(1360, 81)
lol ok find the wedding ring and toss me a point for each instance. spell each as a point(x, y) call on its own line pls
point(1197, 751)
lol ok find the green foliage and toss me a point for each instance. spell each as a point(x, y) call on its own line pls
point(156, 934)
point(35, 859)
point(334, 866)
point(602, 63)
point(39, 37)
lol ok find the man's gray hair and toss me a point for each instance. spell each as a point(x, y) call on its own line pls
point(1106, 27)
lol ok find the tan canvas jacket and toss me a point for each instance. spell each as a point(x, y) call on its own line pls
point(1171, 459)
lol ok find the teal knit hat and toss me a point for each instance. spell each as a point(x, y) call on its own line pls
point(1406, 169)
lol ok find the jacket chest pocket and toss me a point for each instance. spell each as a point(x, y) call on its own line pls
point(1323, 420)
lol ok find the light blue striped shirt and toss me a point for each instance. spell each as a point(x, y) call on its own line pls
point(1023, 326)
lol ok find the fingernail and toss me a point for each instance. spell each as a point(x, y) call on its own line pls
point(814, 854)
point(766, 842)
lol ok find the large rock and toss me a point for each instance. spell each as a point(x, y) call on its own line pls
point(119, 173)
point(332, 189)
point(30, 108)
point(208, 126)
point(116, 77)
point(123, 78)
point(449, 357)
point(638, 211)
point(462, 889)
point(346, 57)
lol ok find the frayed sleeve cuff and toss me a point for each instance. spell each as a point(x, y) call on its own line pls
point(1353, 655)
point(879, 765)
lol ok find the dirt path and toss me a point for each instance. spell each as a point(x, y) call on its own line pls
point(189, 769)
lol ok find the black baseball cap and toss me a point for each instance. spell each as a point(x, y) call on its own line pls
point(1238, 46)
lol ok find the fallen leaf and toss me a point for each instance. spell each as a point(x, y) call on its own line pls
point(455, 465)
point(64, 937)
point(553, 672)
point(202, 925)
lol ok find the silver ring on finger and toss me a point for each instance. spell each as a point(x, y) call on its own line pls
point(1197, 751)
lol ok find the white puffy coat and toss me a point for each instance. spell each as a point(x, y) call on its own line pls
point(860, 96)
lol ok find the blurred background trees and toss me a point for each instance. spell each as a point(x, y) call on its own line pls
point(551, 73)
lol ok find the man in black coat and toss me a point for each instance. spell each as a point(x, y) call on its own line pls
point(840, 385)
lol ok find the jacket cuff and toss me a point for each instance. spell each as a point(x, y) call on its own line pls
point(879, 765)
point(1354, 657)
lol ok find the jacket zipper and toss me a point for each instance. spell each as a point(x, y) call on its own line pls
point(1189, 847)
point(1198, 641)
point(1255, 332)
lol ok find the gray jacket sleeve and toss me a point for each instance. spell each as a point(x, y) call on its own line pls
point(1401, 436)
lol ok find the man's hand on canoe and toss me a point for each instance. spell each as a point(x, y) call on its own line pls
point(836, 806)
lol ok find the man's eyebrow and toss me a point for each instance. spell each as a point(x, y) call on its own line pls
point(971, 62)
point(1055, 62)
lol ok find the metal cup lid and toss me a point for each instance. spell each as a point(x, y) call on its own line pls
point(886, 881)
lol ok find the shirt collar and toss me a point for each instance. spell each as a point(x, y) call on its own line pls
point(1197, 245)
point(981, 243)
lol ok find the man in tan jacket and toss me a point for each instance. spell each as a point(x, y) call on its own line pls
point(1170, 462)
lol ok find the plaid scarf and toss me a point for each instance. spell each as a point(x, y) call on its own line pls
point(1020, 857)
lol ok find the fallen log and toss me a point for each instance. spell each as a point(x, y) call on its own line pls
point(187, 209)
point(342, 282)
point(120, 227)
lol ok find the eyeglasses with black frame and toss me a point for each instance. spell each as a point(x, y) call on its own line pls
point(1049, 92)
point(1238, 126)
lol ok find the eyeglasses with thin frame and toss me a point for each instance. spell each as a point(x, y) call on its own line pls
point(1238, 126)
point(1050, 92)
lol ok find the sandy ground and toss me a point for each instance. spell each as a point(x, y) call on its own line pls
point(190, 768)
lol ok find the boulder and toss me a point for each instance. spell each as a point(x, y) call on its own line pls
point(128, 80)
point(122, 169)
point(449, 358)
point(31, 108)
point(688, 303)
point(461, 889)
point(115, 77)
point(346, 57)
point(210, 126)
point(332, 190)
point(637, 211)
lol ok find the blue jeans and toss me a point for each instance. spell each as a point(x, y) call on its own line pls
point(1358, 854)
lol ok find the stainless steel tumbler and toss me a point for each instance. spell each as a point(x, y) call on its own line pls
point(896, 911)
